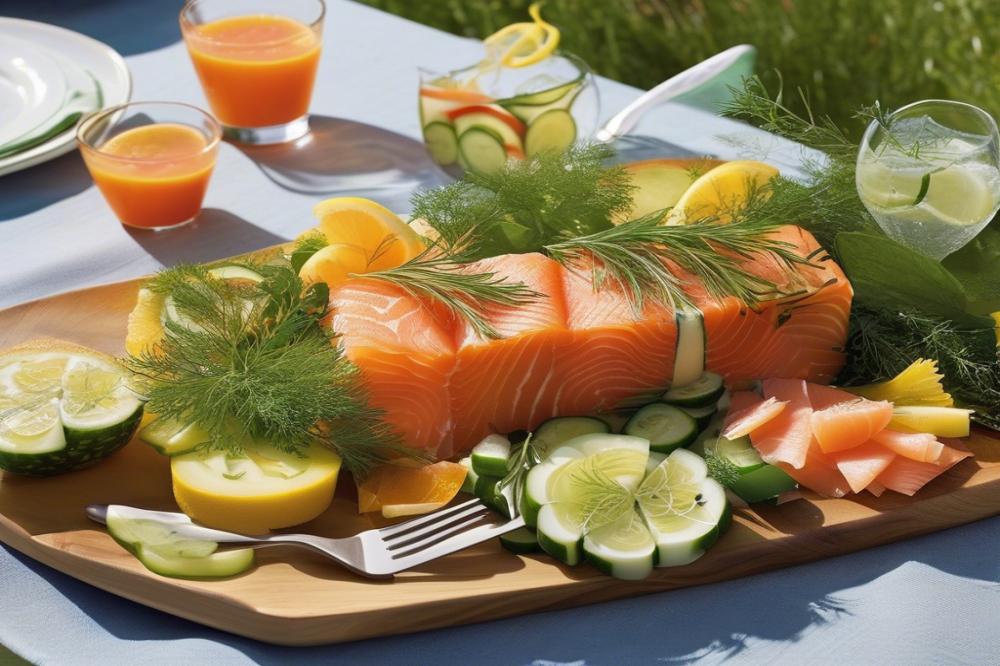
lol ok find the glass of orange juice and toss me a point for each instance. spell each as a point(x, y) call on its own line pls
point(257, 62)
point(151, 160)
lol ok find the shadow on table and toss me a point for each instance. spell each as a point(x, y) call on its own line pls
point(127, 26)
point(27, 191)
point(674, 627)
point(214, 234)
point(342, 156)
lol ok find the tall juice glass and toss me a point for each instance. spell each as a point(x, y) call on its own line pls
point(151, 160)
point(257, 62)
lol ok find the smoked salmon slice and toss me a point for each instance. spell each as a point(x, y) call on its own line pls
point(744, 421)
point(908, 476)
point(787, 437)
point(862, 464)
point(849, 424)
point(919, 446)
point(576, 350)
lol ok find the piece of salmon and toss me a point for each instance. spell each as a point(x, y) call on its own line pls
point(576, 350)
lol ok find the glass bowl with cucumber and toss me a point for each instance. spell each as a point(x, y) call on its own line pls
point(479, 117)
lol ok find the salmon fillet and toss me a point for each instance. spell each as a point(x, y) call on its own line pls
point(576, 350)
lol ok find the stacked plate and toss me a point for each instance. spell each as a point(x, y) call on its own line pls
point(49, 78)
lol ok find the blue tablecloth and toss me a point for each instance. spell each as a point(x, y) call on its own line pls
point(929, 600)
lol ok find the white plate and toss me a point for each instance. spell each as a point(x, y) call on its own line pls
point(103, 62)
point(32, 88)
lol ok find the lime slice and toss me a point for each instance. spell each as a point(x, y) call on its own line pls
point(88, 387)
point(960, 195)
point(42, 375)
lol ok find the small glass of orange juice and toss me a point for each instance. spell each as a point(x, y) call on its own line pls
point(151, 160)
point(257, 62)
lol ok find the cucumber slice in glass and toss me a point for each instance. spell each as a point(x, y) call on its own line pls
point(705, 390)
point(442, 143)
point(491, 456)
point(685, 510)
point(553, 433)
point(624, 548)
point(482, 150)
point(553, 131)
point(543, 97)
point(520, 541)
point(689, 357)
point(665, 426)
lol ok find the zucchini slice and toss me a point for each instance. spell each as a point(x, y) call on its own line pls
point(553, 433)
point(520, 541)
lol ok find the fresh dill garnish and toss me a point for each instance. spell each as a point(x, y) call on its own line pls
point(529, 203)
point(524, 457)
point(305, 247)
point(252, 362)
point(636, 257)
point(466, 294)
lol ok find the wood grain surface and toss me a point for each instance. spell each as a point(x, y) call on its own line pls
point(296, 598)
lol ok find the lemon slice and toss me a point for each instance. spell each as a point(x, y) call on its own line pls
point(40, 376)
point(334, 265)
point(386, 240)
point(32, 418)
point(523, 44)
point(959, 195)
point(721, 192)
point(88, 388)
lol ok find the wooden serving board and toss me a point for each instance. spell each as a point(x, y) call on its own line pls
point(297, 598)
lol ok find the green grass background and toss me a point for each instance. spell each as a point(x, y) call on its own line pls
point(845, 53)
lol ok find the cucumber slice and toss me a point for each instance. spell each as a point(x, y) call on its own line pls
point(740, 452)
point(553, 433)
point(469, 484)
point(689, 358)
point(442, 143)
point(701, 415)
point(560, 533)
point(491, 456)
point(62, 408)
point(553, 131)
point(520, 541)
point(615, 420)
point(624, 548)
point(763, 483)
point(482, 150)
point(173, 438)
point(710, 433)
point(705, 390)
point(665, 426)
point(543, 97)
point(163, 551)
point(685, 510)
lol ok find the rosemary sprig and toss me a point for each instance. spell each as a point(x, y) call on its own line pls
point(636, 257)
point(252, 362)
point(466, 294)
point(524, 457)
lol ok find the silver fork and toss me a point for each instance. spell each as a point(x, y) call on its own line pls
point(377, 553)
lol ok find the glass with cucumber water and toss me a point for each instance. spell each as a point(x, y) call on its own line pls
point(929, 174)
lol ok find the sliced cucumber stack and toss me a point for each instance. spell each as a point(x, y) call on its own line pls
point(665, 426)
point(624, 548)
point(520, 541)
point(756, 481)
point(703, 391)
point(163, 551)
point(701, 415)
point(62, 408)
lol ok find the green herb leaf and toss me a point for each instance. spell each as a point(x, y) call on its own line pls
point(977, 267)
point(722, 470)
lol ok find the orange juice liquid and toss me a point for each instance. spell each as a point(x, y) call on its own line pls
point(154, 175)
point(256, 70)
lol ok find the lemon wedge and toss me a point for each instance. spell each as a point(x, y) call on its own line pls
point(386, 240)
point(523, 44)
point(721, 192)
point(334, 264)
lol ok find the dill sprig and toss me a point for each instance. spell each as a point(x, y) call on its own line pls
point(605, 500)
point(251, 362)
point(636, 257)
point(464, 293)
point(528, 204)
